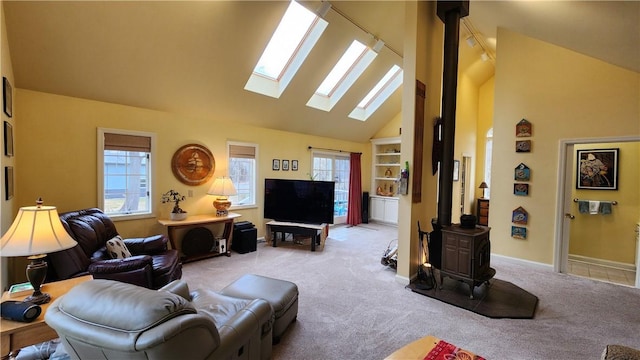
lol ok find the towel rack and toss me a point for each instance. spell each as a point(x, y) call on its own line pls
point(612, 202)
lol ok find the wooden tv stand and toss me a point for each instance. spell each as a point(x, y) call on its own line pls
point(317, 232)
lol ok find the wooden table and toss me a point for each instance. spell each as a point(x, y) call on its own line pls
point(198, 220)
point(415, 350)
point(317, 232)
point(16, 335)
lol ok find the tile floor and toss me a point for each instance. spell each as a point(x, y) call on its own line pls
point(603, 273)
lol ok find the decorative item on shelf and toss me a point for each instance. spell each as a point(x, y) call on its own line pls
point(522, 172)
point(222, 187)
point(388, 173)
point(36, 231)
point(193, 164)
point(173, 196)
point(523, 128)
point(403, 186)
point(484, 187)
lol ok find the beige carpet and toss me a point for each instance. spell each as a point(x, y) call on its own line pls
point(351, 306)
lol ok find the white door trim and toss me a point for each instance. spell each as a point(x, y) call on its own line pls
point(563, 200)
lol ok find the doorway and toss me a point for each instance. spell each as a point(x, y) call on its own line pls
point(334, 167)
point(596, 236)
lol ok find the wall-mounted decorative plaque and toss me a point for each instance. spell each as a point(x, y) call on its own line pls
point(523, 128)
point(522, 173)
point(193, 164)
point(520, 216)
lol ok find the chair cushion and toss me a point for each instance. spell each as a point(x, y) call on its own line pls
point(117, 248)
point(218, 307)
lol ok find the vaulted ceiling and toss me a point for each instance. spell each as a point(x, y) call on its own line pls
point(194, 57)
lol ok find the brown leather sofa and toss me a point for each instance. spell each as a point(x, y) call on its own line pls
point(102, 319)
point(151, 265)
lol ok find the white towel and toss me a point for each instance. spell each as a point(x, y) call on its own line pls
point(594, 207)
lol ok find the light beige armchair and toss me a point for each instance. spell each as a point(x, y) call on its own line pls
point(105, 319)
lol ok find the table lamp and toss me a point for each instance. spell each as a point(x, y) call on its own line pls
point(36, 231)
point(222, 187)
point(483, 186)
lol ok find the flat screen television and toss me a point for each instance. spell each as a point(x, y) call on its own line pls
point(301, 201)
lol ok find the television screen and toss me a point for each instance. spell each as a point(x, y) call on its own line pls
point(301, 201)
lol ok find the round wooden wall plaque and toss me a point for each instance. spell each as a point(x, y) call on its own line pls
point(193, 164)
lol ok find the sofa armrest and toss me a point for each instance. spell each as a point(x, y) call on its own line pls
point(120, 265)
point(147, 245)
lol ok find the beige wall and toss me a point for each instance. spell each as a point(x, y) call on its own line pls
point(485, 122)
point(565, 95)
point(465, 144)
point(58, 154)
point(609, 237)
point(8, 207)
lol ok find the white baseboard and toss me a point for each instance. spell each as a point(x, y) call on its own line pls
point(403, 280)
point(528, 262)
point(602, 262)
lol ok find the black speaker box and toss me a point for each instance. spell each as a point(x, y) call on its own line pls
point(365, 207)
point(20, 311)
point(245, 237)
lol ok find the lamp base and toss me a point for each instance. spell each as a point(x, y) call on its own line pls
point(222, 205)
point(36, 273)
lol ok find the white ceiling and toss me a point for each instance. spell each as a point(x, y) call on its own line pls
point(194, 57)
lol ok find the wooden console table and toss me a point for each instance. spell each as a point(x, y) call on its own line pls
point(317, 232)
point(17, 335)
point(199, 220)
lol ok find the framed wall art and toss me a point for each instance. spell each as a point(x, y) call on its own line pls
point(8, 139)
point(520, 216)
point(519, 232)
point(275, 164)
point(521, 189)
point(597, 169)
point(523, 146)
point(285, 165)
point(8, 182)
point(294, 165)
point(193, 164)
point(7, 96)
point(522, 173)
point(523, 128)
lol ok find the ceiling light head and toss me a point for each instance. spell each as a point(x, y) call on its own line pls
point(484, 56)
point(378, 46)
point(471, 41)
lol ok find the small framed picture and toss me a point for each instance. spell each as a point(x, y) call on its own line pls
point(8, 139)
point(7, 96)
point(285, 165)
point(521, 189)
point(597, 169)
point(8, 182)
point(294, 165)
point(518, 232)
point(523, 146)
point(522, 173)
point(275, 165)
point(456, 170)
point(523, 128)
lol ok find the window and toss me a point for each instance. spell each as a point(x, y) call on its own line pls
point(346, 71)
point(242, 171)
point(488, 150)
point(292, 41)
point(124, 172)
point(389, 83)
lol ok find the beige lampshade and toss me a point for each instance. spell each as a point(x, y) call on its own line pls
point(35, 230)
point(222, 186)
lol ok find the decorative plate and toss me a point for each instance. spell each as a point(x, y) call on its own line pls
point(193, 164)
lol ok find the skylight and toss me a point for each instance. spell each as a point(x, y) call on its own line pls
point(389, 83)
point(293, 39)
point(346, 71)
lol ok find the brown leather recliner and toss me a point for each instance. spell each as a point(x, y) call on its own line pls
point(151, 265)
